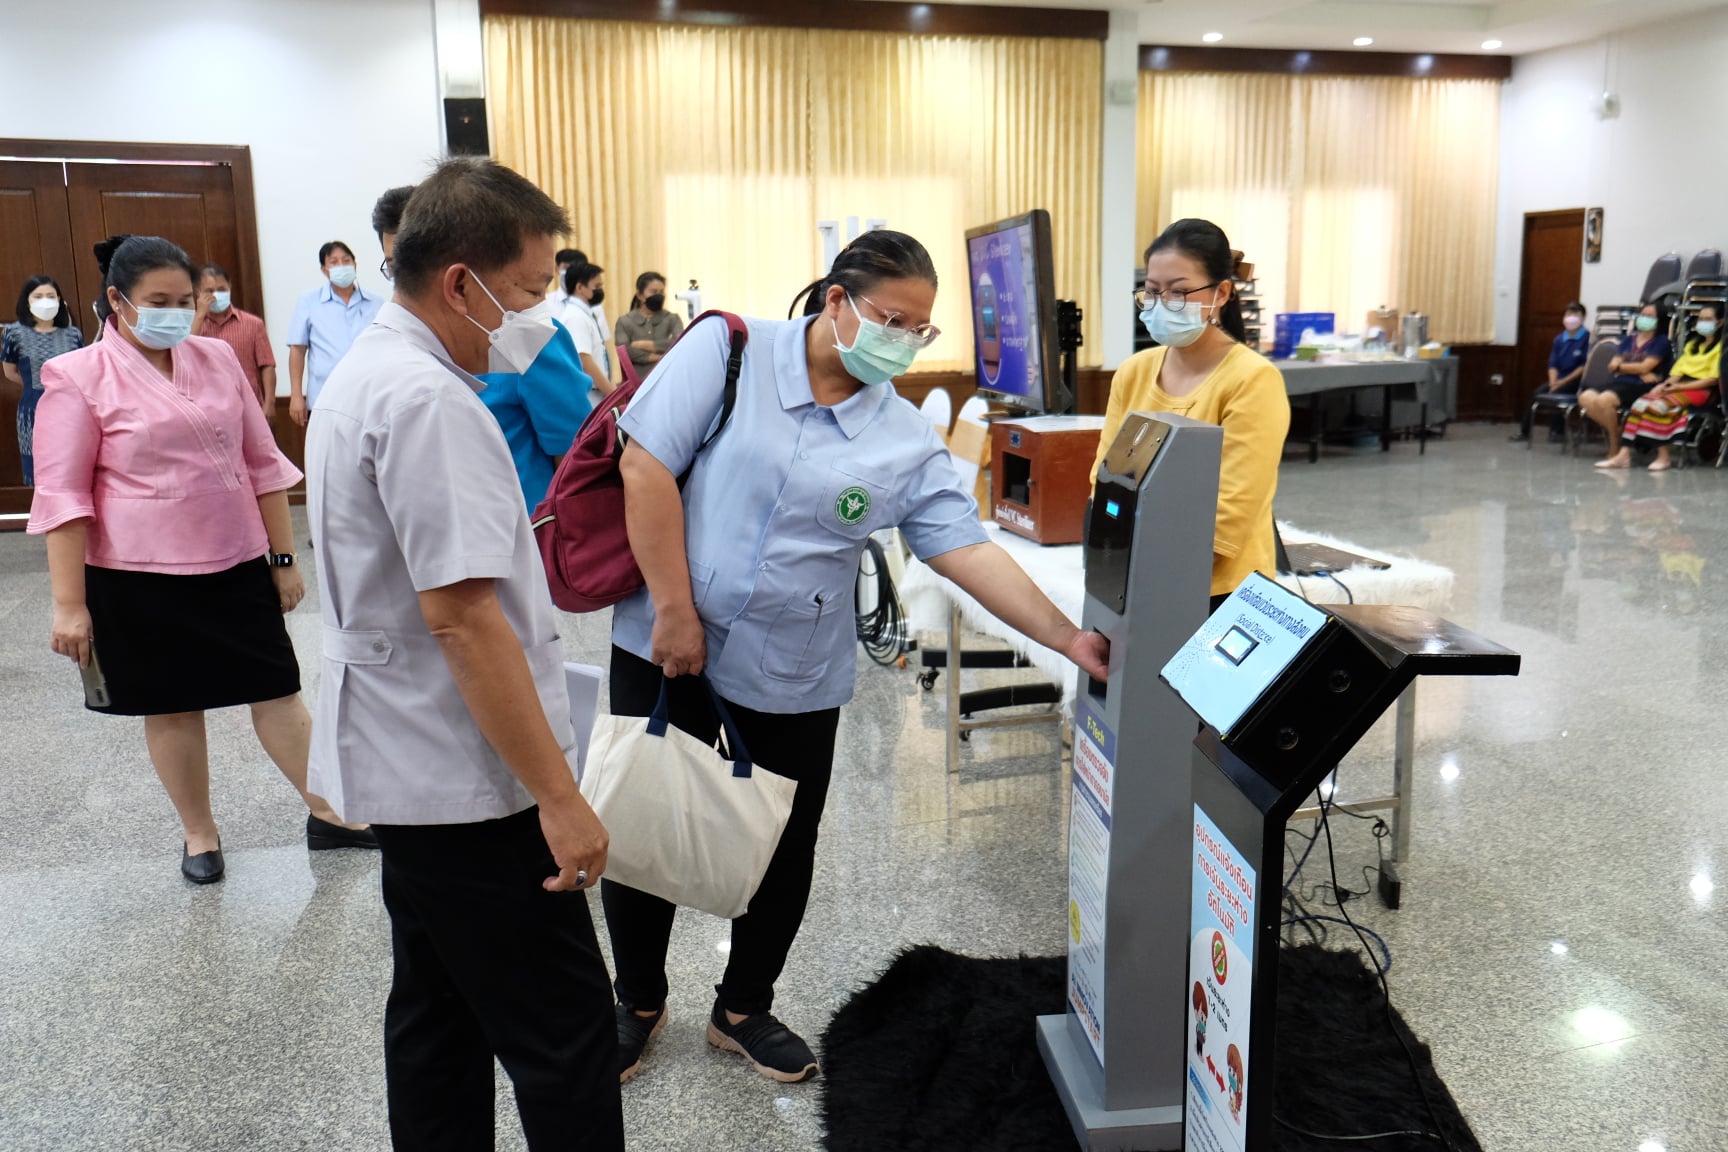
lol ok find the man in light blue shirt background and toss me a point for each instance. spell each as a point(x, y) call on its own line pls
point(326, 321)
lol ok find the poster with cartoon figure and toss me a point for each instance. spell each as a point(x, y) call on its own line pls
point(1004, 312)
point(1221, 967)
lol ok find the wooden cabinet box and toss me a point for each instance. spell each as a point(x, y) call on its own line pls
point(1041, 475)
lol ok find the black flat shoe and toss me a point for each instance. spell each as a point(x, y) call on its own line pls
point(204, 868)
point(321, 836)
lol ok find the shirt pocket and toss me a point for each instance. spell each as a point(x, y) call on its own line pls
point(701, 576)
point(798, 645)
point(855, 499)
point(546, 665)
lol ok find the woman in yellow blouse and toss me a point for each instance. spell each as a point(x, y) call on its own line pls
point(1205, 372)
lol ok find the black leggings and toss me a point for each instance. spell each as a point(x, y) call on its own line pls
point(798, 745)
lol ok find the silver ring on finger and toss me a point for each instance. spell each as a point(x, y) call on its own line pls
point(581, 877)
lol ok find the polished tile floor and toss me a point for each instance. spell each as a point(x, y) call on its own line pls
point(1560, 944)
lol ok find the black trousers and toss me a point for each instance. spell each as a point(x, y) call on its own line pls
point(797, 745)
point(488, 963)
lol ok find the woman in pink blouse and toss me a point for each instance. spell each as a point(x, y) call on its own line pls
point(165, 502)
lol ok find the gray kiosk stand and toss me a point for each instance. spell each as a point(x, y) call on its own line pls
point(1115, 1056)
point(1284, 690)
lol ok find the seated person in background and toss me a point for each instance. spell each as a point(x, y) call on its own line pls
point(1659, 416)
point(1565, 370)
point(648, 329)
point(1641, 364)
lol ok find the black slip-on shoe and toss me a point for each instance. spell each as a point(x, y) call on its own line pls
point(321, 836)
point(634, 1033)
point(771, 1048)
point(204, 868)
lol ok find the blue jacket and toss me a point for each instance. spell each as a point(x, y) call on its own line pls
point(540, 411)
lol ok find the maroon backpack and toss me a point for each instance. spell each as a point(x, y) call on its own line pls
point(580, 525)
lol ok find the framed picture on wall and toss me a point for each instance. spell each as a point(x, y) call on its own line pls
point(1593, 236)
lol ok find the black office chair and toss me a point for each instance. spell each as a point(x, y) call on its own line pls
point(1704, 268)
point(1665, 277)
point(1596, 376)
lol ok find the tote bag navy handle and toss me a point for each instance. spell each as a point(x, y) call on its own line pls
point(659, 718)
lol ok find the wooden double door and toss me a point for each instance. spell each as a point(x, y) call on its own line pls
point(58, 199)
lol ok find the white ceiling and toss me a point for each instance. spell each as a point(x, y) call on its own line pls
point(1396, 25)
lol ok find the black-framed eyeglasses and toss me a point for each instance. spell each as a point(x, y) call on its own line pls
point(1172, 300)
point(387, 268)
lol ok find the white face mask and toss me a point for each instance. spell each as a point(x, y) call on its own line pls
point(44, 307)
point(519, 340)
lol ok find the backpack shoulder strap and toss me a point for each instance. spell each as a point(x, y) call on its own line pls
point(739, 336)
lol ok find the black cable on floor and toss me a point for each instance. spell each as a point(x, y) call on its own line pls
point(882, 630)
point(1385, 991)
point(1368, 1136)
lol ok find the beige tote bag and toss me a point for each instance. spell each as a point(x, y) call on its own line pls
point(687, 824)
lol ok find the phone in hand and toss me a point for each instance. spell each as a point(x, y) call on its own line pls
point(95, 684)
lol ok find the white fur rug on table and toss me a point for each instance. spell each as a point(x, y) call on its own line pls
point(1060, 573)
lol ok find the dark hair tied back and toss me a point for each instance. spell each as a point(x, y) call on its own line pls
point(1205, 243)
point(875, 256)
point(125, 260)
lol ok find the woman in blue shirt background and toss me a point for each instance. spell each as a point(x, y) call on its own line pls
point(750, 573)
point(1641, 363)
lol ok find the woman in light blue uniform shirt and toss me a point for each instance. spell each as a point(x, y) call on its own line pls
point(750, 575)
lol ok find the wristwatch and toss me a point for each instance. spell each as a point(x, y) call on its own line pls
point(281, 559)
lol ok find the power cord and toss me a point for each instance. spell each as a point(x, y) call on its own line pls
point(1370, 1136)
point(1386, 994)
point(882, 630)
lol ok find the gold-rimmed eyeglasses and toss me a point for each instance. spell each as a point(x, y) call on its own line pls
point(920, 336)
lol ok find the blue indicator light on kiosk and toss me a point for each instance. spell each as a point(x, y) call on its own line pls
point(1112, 509)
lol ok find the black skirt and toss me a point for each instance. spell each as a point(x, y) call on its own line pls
point(189, 643)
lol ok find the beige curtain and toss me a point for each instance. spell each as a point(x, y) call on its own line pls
point(1347, 193)
point(712, 153)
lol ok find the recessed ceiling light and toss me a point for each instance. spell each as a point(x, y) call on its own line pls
point(1363, 41)
point(1213, 37)
point(1490, 45)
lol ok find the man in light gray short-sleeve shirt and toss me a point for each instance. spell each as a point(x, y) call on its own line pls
point(442, 718)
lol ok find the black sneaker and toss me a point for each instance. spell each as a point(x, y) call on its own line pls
point(772, 1048)
point(634, 1033)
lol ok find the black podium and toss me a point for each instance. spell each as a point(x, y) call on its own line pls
point(1285, 690)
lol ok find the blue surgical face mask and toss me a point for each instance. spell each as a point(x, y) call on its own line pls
point(219, 301)
point(160, 328)
point(1704, 327)
point(1175, 329)
point(1646, 323)
point(875, 356)
point(343, 275)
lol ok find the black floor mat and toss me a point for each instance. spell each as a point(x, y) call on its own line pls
point(939, 1054)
